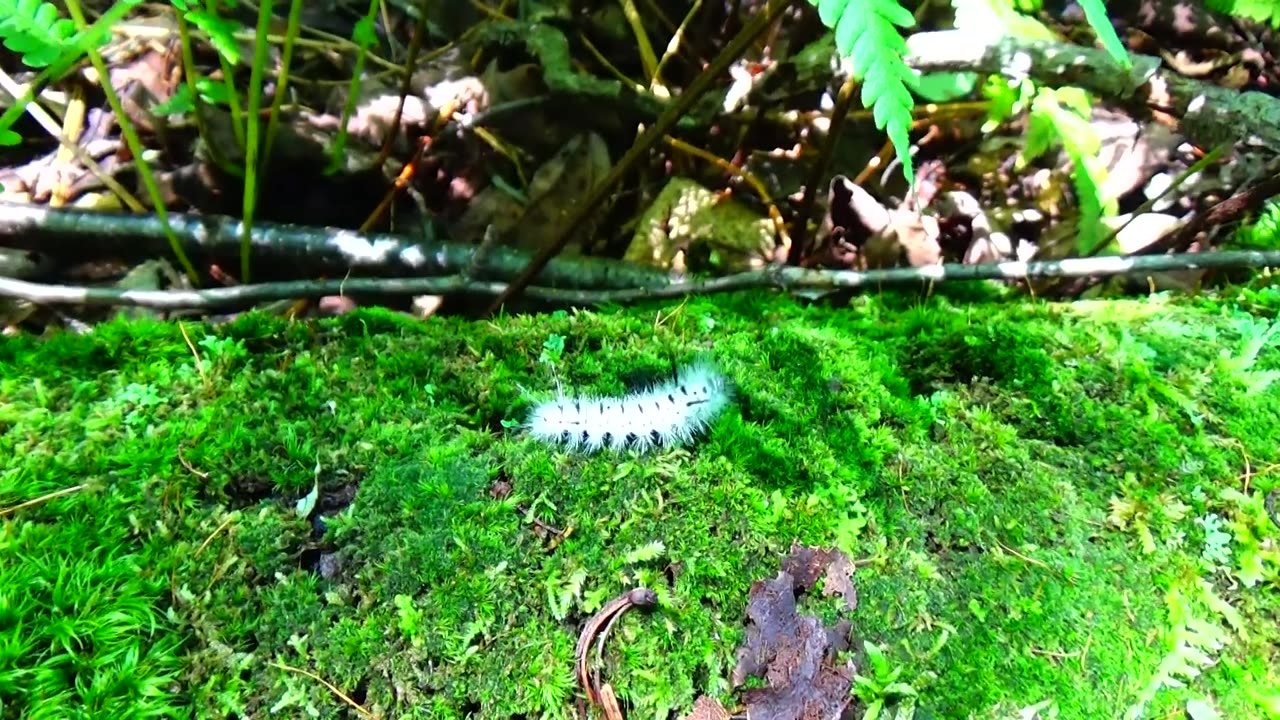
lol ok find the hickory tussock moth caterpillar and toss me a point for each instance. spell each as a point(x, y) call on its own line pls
point(668, 414)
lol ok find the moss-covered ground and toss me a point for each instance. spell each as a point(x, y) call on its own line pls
point(1045, 505)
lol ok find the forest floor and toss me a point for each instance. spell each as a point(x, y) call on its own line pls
point(1069, 507)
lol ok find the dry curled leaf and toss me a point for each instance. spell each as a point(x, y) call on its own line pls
point(861, 233)
point(688, 227)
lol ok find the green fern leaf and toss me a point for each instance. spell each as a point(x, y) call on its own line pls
point(1267, 11)
point(1194, 644)
point(986, 19)
point(1062, 117)
point(221, 32)
point(1096, 13)
point(34, 30)
point(866, 32)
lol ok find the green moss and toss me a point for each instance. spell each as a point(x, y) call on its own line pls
point(1029, 492)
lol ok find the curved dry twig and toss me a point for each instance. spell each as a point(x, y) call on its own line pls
point(597, 629)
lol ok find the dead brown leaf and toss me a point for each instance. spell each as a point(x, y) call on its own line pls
point(861, 233)
point(706, 708)
point(559, 184)
point(794, 653)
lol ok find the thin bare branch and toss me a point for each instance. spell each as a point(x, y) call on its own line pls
point(791, 279)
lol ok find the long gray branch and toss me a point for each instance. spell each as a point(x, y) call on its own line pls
point(293, 252)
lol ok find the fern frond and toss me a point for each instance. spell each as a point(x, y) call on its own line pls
point(1194, 645)
point(866, 32)
point(221, 32)
point(33, 29)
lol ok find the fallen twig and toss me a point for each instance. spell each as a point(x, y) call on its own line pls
point(241, 295)
point(42, 499)
point(792, 279)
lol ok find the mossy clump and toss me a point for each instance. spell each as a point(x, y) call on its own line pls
point(1043, 504)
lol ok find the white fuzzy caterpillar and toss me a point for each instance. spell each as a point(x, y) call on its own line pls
point(666, 415)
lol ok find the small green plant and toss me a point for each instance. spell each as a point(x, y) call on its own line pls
point(409, 620)
point(1195, 639)
point(867, 32)
point(882, 686)
point(1056, 117)
point(1240, 366)
point(138, 399)
point(841, 501)
point(1217, 542)
point(1264, 231)
point(563, 591)
point(1257, 556)
point(552, 350)
point(221, 351)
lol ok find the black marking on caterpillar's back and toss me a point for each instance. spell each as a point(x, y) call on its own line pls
point(665, 415)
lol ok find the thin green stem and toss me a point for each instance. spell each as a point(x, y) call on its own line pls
point(135, 145)
point(229, 80)
point(253, 144)
point(363, 37)
point(191, 76)
point(282, 80)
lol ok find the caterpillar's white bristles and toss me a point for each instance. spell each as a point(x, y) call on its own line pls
point(666, 415)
